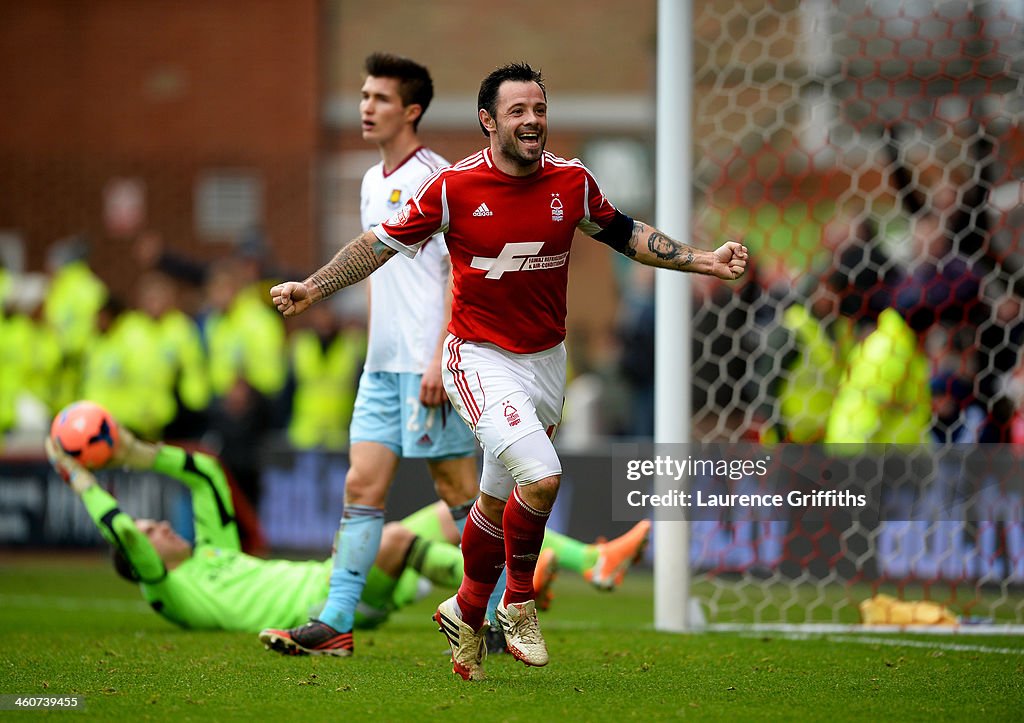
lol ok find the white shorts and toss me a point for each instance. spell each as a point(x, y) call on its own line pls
point(504, 396)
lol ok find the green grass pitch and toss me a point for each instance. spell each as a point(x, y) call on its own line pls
point(69, 627)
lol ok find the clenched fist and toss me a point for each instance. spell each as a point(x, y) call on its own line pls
point(730, 260)
point(291, 298)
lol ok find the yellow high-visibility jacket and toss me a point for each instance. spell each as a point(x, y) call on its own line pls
point(247, 342)
point(809, 389)
point(885, 395)
point(325, 388)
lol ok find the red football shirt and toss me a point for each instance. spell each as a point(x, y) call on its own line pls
point(509, 238)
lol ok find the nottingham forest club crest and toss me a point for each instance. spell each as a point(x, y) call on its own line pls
point(557, 212)
point(511, 414)
point(395, 198)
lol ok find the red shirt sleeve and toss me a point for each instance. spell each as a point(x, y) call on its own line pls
point(422, 216)
point(599, 212)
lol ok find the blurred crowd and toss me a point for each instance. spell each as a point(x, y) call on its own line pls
point(913, 339)
point(197, 354)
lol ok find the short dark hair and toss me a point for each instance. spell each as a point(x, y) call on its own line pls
point(414, 83)
point(487, 98)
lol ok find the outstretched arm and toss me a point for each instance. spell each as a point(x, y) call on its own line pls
point(117, 527)
point(353, 263)
point(212, 507)
point(650, 246)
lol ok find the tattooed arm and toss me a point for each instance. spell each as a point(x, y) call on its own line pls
point(353, 263)
point(650, 246)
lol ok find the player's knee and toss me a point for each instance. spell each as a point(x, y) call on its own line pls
point(396, 536)
point(394, 546)
point(492, 507)
point(548, 485)
point(455, 480)
point(532, 459)
point(542, 493)
point(455, 495)
point(365, 488)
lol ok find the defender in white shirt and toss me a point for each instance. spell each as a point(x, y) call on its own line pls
point(401, 407)
point(405, 324)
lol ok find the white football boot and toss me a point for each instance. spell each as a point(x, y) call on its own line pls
point(522, 632)
point(469, 648)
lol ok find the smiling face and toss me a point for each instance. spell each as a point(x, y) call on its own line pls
point(519, 129)
point(382, 112)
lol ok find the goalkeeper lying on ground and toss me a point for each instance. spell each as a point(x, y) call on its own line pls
point(216, 586)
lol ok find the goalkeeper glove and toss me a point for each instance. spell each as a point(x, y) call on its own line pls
point(132, 452)
point(77, 477)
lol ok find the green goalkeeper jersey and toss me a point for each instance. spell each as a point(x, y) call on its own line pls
point(219, 587)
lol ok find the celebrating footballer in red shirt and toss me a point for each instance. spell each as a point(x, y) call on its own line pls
point(508, 214)
point(509, 237)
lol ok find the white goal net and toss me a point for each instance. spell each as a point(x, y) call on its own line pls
point(871, 153)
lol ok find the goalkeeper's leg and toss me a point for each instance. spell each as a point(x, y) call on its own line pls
point(404, 558)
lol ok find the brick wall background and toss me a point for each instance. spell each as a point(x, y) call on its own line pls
point(163, 92)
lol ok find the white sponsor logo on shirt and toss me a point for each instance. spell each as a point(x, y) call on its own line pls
point(519, 256)
point(400, 218)
point(482, 210)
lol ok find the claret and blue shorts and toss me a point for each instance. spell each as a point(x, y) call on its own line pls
point(388, 411)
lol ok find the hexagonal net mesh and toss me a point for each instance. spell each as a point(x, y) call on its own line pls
point(871, 155)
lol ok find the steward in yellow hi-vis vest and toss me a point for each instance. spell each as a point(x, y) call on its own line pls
point(246, 340)
point(105, 378)
point(30, 368)
point(72, 303)
point(9, 376)
point(885, 395)
point(145, 360)
point(179, 336)
point(180, 358)
point(326, 363)
point(809, 388)
point(126, 372)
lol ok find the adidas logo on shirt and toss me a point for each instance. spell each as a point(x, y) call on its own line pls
point(482, 210)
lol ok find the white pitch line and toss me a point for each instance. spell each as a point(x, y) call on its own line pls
point(74, 603)
point(954, 647)
point(807, 629)
point(893, 642)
